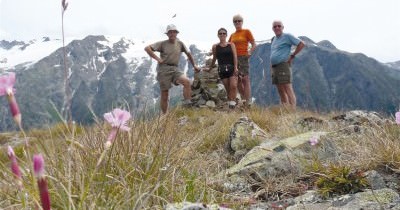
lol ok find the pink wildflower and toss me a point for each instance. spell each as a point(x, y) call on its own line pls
point(118, 119)
point(7, 88)
point(38, 170)
point(7, 83)
point(14, 166)
point(313, 141)
point(398, 118)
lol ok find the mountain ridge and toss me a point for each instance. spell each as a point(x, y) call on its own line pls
point(106, 72)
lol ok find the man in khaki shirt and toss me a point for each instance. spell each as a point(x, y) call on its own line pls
point(167, 69)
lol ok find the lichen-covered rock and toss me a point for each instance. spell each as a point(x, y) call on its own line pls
point(359, 117)
point(279, 157)
point(378, 199)
point(244, 135)
point(194, 206)
point(375, 180)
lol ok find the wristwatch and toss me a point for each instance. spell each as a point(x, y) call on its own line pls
point(292, 56)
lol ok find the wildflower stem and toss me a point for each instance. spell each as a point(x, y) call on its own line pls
point(67, 91)
point(87, 186)
point(44, 193)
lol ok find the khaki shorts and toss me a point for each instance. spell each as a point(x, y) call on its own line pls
point(243, 65)
point(167, 75)
point(281, 73)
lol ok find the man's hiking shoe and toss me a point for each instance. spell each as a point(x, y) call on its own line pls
point(231, 104)
point(187, 104)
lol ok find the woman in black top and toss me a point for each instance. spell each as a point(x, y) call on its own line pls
point(225, 53)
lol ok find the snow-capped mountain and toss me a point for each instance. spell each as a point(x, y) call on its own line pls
point(16, 54)
point(108, 72)
point(104, 72)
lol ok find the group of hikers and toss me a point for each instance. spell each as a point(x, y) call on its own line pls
point(233, 63)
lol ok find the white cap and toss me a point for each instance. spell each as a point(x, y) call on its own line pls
point(171, 27)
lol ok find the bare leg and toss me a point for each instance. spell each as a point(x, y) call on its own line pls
point(187, 89)
point(246, 88)
point(282, 94)
point(291, 95)
point(232, 86)
point(164, 101)
point(225, 82)
point(241, 87)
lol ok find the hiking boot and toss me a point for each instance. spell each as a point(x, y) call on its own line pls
point(247, 105)
point(231, 104)
point(187, 104)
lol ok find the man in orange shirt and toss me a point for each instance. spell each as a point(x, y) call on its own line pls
point(241, 38)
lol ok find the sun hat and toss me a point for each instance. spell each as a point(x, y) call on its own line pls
point(171, 27)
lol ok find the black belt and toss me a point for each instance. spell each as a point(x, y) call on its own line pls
point(167, 64)
point(275, 65)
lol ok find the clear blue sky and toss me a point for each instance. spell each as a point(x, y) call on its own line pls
point(371, 27)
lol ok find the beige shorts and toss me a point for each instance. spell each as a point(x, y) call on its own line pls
point(281, 73)
point(167, 75)
point(243, 65)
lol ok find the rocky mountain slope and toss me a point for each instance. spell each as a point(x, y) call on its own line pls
point(107, 72)
point(326, 78)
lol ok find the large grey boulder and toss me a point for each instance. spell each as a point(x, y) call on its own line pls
point(275, 158)
point(194, 206)
point(378, 199)
point(360, 117)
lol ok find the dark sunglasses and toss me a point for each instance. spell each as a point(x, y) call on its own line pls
point(277, 26)
point(222, 33)
point(237, 21)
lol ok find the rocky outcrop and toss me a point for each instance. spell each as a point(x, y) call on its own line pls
point(207, 89)
point(275, 158)
point(268, 158)
point(359, 117)
point(377, 199)
point(194, 206)
point(244, 135)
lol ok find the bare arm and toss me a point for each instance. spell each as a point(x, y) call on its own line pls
point(253, 47)
point(235, 61)
point(214, 54)
point(299, 47)
point(152, 54)
point(189, 55)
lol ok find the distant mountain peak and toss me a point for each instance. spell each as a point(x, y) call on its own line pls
point(327, 44)
point(8, 45)
point(307, 40)
point(45, 39)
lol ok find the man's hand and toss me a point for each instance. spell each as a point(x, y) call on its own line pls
point(291, 58)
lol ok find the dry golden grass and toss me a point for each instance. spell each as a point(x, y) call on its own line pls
point(171, 158)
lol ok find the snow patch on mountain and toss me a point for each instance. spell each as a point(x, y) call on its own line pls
point(133, 51)
point(28, 53)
